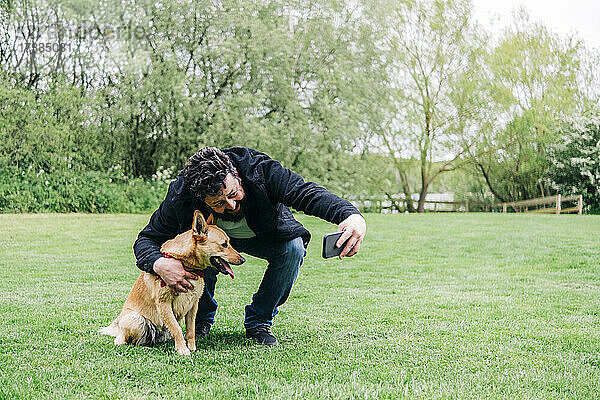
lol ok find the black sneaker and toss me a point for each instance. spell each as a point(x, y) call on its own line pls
point(262, 334)
point(202, 329)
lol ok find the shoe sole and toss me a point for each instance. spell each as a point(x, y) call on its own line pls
point(261, 342)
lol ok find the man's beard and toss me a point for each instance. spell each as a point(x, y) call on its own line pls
point(233, 217)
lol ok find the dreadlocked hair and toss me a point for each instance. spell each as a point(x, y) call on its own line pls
point(206, 170)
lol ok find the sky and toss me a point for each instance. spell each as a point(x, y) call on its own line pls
point(561, 16)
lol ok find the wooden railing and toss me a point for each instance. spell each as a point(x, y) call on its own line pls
point(387, 205)
point(558, 200)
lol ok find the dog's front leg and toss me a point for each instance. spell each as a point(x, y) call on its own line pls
point(190, 326)
point(166, 313)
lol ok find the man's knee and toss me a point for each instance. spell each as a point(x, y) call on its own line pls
point(295, 251)
point(287, 256)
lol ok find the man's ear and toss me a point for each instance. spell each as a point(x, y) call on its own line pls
point(199, 227)
point(210, 220)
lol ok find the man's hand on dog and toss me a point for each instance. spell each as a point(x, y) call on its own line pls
point(354, 228)
point(175, 276)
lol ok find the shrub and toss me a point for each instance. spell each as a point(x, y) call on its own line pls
point(77, 191)
point(576, 161)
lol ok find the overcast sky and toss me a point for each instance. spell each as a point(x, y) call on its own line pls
point(561, 16)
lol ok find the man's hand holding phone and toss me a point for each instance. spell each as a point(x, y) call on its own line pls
point(352, 230)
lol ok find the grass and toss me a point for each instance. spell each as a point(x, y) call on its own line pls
point(436, 306)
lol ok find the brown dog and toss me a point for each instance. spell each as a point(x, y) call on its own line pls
point(152, 312)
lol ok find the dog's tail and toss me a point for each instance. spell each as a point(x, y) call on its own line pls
point(112, 329)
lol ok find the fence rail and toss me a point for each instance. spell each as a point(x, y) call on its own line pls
point(558, 200)
point(392, 204)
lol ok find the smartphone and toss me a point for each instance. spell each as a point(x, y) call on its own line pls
point(329, 249)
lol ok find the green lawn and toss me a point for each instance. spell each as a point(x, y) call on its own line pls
point(448, 306)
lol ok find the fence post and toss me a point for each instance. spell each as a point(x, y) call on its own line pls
point(467, 206)
point(580, 205)
point(504, 208)
point(558, 205)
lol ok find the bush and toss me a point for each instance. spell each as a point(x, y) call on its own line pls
point(77, 191)
point(52, 160)
point(576, 162)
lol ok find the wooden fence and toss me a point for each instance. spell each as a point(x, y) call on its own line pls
point(539, 205)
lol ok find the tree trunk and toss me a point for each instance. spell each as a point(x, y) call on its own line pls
point(422, 196)
point(394, 202)
point(407, 193)
point(424, 182)
point(489, 183)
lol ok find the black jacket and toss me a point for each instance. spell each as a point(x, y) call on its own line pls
point(269, 189)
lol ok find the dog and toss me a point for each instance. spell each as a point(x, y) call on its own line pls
point(152, 312)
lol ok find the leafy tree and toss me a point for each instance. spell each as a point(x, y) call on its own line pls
point(532, 76)
point(139, 89)
point(433, 51)
point(213, 76)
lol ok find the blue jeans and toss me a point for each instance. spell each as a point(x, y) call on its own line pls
point(284, 260)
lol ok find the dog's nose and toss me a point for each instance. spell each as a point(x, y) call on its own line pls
point(242, 260)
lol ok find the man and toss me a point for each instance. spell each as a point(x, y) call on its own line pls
point(248, 194)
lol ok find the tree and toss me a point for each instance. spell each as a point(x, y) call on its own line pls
point(155, 82)
point(433, 51)
point(532, 76)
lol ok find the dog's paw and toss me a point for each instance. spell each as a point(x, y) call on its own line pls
point(184, 351)
point(192, 345)
point(120, 340)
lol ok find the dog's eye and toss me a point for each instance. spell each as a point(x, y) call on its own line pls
point(224, 245)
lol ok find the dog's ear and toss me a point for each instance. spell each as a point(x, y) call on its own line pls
point(210, 220)
point(199, 227)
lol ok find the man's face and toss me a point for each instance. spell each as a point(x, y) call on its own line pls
point(228, 201)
